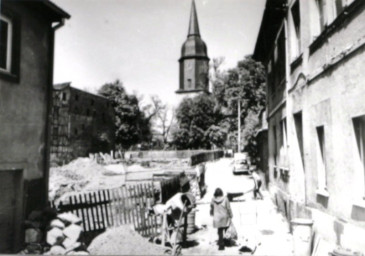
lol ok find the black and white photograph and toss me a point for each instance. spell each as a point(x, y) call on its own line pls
point(182, 127)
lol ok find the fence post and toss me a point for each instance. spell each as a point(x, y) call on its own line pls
point(164, 223)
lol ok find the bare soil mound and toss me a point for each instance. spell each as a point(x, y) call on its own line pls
point(123, 241)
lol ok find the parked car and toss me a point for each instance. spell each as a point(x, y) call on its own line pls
point(241, 163)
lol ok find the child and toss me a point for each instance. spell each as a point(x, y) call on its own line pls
point(221, 211)
point(258, 182)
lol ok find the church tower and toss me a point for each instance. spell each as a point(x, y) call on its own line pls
point(194, 61)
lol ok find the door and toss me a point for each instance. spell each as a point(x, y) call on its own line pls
point(10, 210)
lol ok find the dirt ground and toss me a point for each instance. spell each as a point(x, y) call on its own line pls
point(258, 223)
point(123, 241)
point(84, 174)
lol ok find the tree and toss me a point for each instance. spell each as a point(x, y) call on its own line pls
point(198, 121)
point(132, 126)
point(245, 84)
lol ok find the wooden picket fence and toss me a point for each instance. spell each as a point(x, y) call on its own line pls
point(114, 207)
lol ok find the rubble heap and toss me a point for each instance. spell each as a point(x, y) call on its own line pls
point(81, 175)
point(50, 234)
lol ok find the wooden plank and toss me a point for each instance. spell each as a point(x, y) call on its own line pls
point(114, 207)
point(106, 205)
point(153, 217)
point(133, 207)
point(121, 206)
point(71, 204)
point(128, 203)
point(110, 205)
point(147, 219)
point(124, 202)
point(82, 213)
point(117, 206)
point(97, 212)
point(163, 229)
point(144, 209)
point(140, 210)
point(92, 214)
point(138, 204)
point(78, 214)
point(87, 214)
point(100, 210)
point(103, 204)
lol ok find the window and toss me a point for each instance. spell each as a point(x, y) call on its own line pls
point(321, 15)
point(64, 96)
point(296, 45)
point(338, 7)
point(92, 102)
point(359, 127)
point(299, 130)
point(76, 97)
point(321, 158)
point(275, 144)
point(76, 131)
point(88, 112)
point(6, 28)
point(283, 130)
point(189, 83)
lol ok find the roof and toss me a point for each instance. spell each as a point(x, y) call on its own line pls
point(272, 19)
point(62, 86)
point(46, 7)
point(193, 24)
point(194, 46)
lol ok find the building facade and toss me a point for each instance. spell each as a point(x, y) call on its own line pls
point(82, 123)
point(194, 61)
point(26, 73)
point(313, 51)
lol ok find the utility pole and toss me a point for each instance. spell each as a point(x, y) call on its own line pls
point(239, 126)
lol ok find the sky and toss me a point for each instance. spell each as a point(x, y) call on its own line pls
point(139, 41)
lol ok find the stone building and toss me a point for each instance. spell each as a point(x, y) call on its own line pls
point(194, 61)
point(82, 123)
point(314, 53)
point(26, 73)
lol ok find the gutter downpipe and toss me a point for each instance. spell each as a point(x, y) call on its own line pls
point(49, 106)
point(288, 105)
point(287, 84)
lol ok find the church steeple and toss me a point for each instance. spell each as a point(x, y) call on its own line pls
point(194, 61)
point(193, 25)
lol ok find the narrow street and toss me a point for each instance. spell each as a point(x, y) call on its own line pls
point(257, 221)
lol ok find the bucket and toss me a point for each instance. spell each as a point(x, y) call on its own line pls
point(190, 222)
point(302, 236)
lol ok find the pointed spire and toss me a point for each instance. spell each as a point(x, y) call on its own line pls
point(193, 25)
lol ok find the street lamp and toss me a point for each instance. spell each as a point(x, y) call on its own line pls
point(239, 125)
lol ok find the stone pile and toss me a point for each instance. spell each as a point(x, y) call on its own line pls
point(59, 235)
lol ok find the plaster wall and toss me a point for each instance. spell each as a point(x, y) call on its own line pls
point(325, 85)
point(23, 107)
